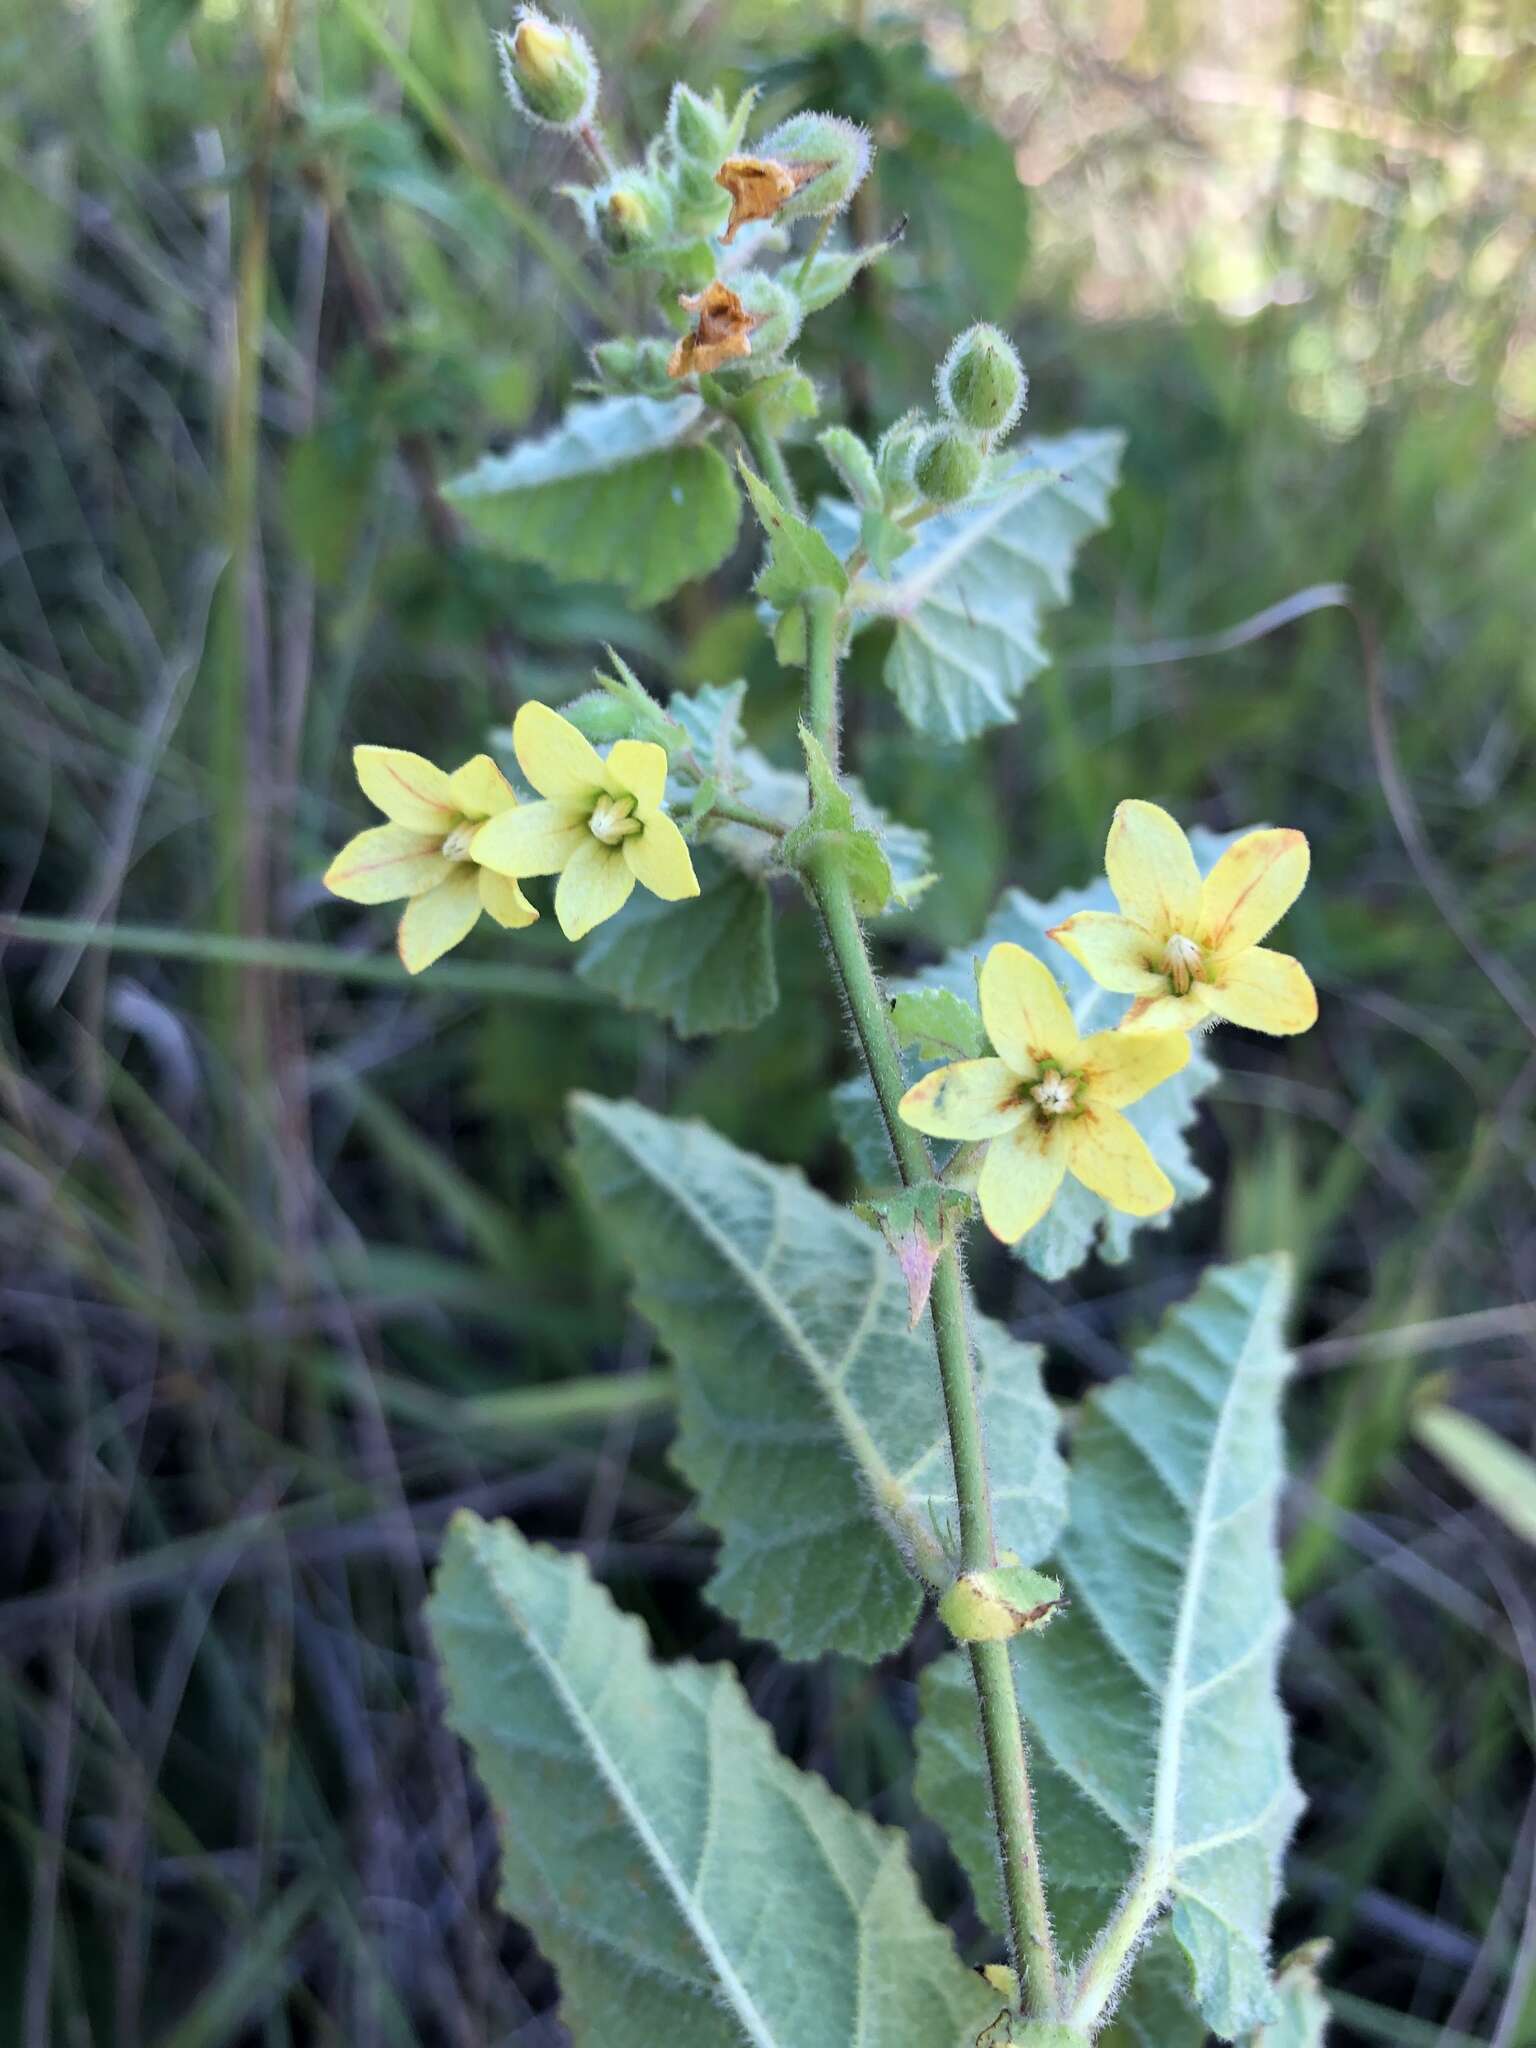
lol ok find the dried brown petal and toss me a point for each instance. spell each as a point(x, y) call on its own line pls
point(722, 333)
point(759, 186)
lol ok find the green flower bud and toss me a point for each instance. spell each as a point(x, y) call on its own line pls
point(633, 217)
point(775, 313)
point(633, 364)
point(836, 153)
point(947, 465)
point(897, 452)
point(698, 127)
point(991, 1606)
point(981, 381)
point(549, 71)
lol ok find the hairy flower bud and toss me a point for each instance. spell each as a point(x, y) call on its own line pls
point(701, 131)
point(632, 363)
point(947, 465)
point(633, 217)
point(837, 153)
point(549, 71)
point(897, 452)
point(981, 382)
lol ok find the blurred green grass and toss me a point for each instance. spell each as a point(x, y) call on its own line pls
point(292, 1262)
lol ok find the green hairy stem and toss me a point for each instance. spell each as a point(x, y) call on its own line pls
point(1030, 1940)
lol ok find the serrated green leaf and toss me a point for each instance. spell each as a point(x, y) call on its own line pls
point(799, 558)
point(831, 272)
point(810, 1418)
point(1154, 1719)
point(687, 1882)
point(705, 964)
point(938, 1024)
point(617, 493)
point(969, 597)
point(1078, 1221)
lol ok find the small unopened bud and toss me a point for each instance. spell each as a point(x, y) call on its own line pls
point(991, 1606)
point(947, 465)
point(699, 128)
point(897, 452)
point(632, 363)
point(550, 73)
point(838, 154)
point(981, 381)
point(633, 217)
point(774, 311)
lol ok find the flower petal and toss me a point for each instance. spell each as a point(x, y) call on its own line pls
point(971, 1099)
point(480, 790)
point(434, 923)
point(594, 883)
point(505, 901)
point(1168, 1012)
point(1152, 870)
point(533, 839)
point(407, 789)
point(1120, 1066)
point(386, 862)
point(1019, 1178)
point(1117, 953)
point(1265, 991)
point(659, 858)
point(1027, 1016)
point(555, 757)
point(638, 768)
point(1251, 888)
point(1110, 1156)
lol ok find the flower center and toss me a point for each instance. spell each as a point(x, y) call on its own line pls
point(612, 819)
point(1182, 960)
point(456, 845)
point(1056, 1093)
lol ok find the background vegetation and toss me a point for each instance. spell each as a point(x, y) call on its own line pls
point(292, 1263)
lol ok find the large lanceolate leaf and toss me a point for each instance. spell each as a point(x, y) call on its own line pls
point(810, 1418)
point(621, 492)
point(688, 1883)
point(1078, 1221)
point(969, 598)
point(1155, 1725)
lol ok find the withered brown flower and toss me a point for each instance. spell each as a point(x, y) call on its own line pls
point(759, 186)
point(722, 332)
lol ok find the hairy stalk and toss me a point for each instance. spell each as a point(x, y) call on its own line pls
point(1104, 1971)
point(1029, 1928)
point(766, 452)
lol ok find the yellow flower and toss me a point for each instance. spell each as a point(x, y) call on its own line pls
point(601, 828)
point(425, 852)
point(1187, 949)
point(1050, 1102)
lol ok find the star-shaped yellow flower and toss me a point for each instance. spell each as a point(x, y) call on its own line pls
point(424, 852)
point(601, 828)
point(1050, 1103)
point(1187, 949)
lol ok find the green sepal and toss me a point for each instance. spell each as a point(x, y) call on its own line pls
point(829, 830)
point(799, 559)
point(621, 708)
point(991, 1606)
point(855, 466)
point(918, 1223)
point(938, 1024)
